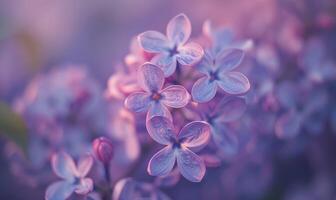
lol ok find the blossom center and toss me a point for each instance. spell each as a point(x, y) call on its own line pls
point(173, 51)
point(156, 96)
point(176, 145)
point(213, 76)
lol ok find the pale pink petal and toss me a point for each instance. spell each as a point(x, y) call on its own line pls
point(206, 65)
point(234, 83)
point(175, 96)
point(85, 186)
point(150, 77)
point(63, 165)
point(191, 166)
point(138, 102)
point(204, 90)
point(158, 109)
point(60, 190)
point(229, 59)
point(161, 129)
point(84, 165)
point(194, 134)
point(162, 162)
point(179, 29)
point(190, 54)
point(153, 41)
point(166, 62)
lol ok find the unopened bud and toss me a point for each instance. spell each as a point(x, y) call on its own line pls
point(103, 148)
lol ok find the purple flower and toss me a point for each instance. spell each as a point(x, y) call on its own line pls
point(155, 99)
point(229, 109)
point(302, 108)
point(218, 72)
point(73, 176)
point(222, 38)
point(128, 188)
point(316, 63)
point(173, 48)
point(193, 136)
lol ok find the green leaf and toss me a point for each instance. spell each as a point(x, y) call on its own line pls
point(13, 127)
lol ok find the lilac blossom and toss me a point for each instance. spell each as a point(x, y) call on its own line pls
point(172, 49)
point(155, 98)
point(63, 109)
point(302, 109)
point(218, 72)
point(74, 177)
point(229, 109)
point(316, 63)
point(128, 188)
point(222, 38)
point(192, 136)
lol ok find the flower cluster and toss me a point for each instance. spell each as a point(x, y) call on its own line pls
point(175, 56)
point(184, 108)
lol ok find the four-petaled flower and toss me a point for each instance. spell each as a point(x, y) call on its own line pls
point(174, 48)
point(229, 109)
point(73, 176)
point(193, 136)
point(155, 99)
point(218, 72)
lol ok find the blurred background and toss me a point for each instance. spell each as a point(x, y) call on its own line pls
point(38, 36)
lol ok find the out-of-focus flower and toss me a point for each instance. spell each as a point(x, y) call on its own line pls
point(302, 109)
point(229, 109)
point(222, 38)
point(173, 49)
point(74, 176)
point(155, 99)
point(218, 72)
point(128, 188)
point(193, 136)
point(316, 63)
point(67, 95)
point(63, 109)
point(121, 84)
point(103, 149)
point(137, 55)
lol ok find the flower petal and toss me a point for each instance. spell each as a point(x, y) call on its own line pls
point(230, 109)
point(85, 186)
point(157, 109)
point(84, 165)
point(179, 29)
point(162, 162)
point(138, 102)
point(153, 41)
point(63, 166)
point(166, 62)
point(150, 77)
point(288, 125)
point(228, 59)
point(60, 190)
point(194, 134)
point(190, 54)
point(226, 141)
point(161, 129)
point(234, 83)
point(205, 66)
point(204, 90)
point(175, 96)
point(191, 166)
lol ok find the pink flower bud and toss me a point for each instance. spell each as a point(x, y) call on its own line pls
point(103, 148)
